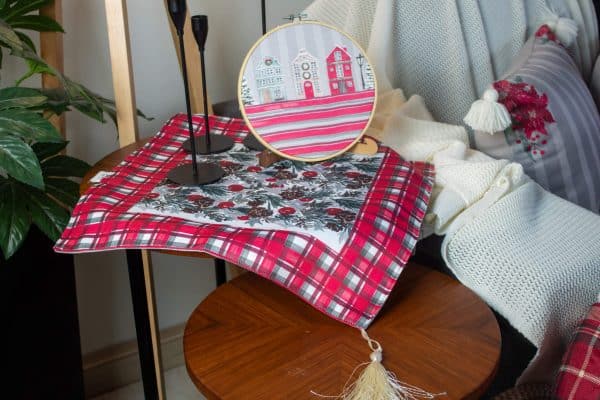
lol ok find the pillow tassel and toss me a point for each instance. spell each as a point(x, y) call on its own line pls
point(565, 29)
point(487, 115)
point(376, 383)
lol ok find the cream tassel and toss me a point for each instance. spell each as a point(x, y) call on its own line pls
point(565, 29)
point(487, 114)
point(376, 383)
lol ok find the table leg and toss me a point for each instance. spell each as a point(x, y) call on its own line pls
point(143, 309)
point(220, 272)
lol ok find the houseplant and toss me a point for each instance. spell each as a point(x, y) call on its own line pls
point(38, 304)
point(35, 184)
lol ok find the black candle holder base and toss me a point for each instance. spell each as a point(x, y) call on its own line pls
point(207, 173)
point(218, 144)
point(251, 142)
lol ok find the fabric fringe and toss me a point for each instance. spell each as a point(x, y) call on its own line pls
point(376, 383)
point(565, 29)
point(487, 115)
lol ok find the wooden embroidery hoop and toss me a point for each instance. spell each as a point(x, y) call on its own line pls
point(361, 145)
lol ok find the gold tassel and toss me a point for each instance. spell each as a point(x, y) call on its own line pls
point(376, 383)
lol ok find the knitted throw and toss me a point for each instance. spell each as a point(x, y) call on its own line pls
point(450, 51)
point(533, 257)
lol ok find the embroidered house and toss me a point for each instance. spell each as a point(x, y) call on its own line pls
point(306, 75)
point(339, 71)
point(269, 80)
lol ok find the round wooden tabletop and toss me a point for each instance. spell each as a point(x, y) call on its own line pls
point(251, 339)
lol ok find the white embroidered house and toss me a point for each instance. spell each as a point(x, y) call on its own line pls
point(339, 71)
point(306, 75)
point(269, 80)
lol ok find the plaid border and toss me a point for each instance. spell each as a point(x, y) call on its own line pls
point(579, 374)
point(350, 286)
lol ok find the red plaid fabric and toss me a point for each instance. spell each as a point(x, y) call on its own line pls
point(350, 285)
point(579, 374)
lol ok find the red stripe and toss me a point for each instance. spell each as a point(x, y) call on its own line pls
point(317, 101)
point(313, 132)
point(321, 148)
point(302, 116)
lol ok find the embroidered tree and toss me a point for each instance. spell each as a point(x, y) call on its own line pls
point(369, 77)
point(245, 93)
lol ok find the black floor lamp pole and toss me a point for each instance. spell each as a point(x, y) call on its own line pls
point(263, 8)
point(250, 141)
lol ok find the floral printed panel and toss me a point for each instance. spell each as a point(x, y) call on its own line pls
point(320, 199)
point(529, 113)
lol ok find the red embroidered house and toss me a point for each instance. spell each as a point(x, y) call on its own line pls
point(339, 70)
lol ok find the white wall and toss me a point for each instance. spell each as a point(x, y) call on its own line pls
point(105, 311)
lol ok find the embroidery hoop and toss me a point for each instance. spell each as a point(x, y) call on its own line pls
point(334, 31)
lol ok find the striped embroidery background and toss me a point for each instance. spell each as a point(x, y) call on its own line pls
point(570, 167)
point(314, 128)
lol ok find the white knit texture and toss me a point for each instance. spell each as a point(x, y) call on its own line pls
point(533, 257)
point(449, 51)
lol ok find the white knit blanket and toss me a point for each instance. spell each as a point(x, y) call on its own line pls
point(532, 256)
point(449, 51)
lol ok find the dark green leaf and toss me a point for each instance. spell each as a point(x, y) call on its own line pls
point(22, 7)
point(14, 219)
point(39, 23)
point(64, 166)
point(27, 40)
point(28, 125)
point(45, 150)
point(64, 190)
point(2, 4)
point(16, 97)
point(47, 214)
point(20, 162)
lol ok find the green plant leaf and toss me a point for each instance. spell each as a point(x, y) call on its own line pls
point(27, 40)
point(64, 190)
point(47, 214)
point(28, 125)
point(38, 23)
point(9, 37)
point(64, 166)
point(15, 219)
point(20, 162)
point(16, 97)
point(45, 150)
point(22, 7)
point(35, 67)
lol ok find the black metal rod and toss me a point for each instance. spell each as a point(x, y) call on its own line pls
point(187, 103)
point(263, 8)
point(205, 101)
point(220, 272)
point(142, 323)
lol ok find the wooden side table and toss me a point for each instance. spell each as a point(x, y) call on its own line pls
point(251, 339)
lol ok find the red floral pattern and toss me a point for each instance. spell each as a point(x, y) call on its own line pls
point(320, 198)
point(545, 33)
point(529, 113)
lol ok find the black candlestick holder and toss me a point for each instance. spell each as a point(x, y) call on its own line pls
point(208, 143)
point(205, 172)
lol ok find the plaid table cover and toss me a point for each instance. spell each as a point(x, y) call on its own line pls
point(579, 374)
point(350, 285)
